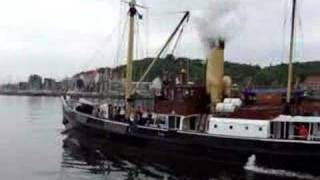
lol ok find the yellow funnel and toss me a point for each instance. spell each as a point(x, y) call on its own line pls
point(215, 73)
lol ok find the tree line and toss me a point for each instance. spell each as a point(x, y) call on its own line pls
point(241, 74)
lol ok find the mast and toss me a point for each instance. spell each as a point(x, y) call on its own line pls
point(291, 55)
point(128, 86)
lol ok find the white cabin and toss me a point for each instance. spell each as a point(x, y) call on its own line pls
point(239, 127)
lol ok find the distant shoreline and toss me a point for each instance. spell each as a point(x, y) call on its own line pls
point(60, 94)
point(50, 94)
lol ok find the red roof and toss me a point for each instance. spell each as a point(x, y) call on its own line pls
point(314, 78)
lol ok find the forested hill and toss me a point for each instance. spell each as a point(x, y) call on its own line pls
point(271, 76)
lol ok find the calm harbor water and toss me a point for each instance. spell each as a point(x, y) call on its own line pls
point(33, 148)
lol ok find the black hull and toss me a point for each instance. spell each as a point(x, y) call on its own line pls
point(172, 165)
point(301, 157)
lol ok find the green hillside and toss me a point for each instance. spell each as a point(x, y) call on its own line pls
point(271, 76)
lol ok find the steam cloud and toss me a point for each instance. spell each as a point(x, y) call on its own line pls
point(221, 22)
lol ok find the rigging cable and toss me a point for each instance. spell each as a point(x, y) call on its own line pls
point(147, 32)
point(96, 52)
point(169, 40)
point(116, 55)
point(179, 37)
point(121, 44)
point(135, 48)
point(139, 45)
point(120, 33)
point(121, 41)
point(300, 42)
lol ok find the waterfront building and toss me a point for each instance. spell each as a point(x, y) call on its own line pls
point(49, 84)
point(23, 85)
point(9, 87)
point(103, 80)
point(59, 86)
point(88, 80)
point(79, 84)
point(35, 82)
point(67, 84)
point(312, 83)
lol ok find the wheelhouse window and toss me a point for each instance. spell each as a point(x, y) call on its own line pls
point(174, 122)
point(160, 121)
point(191, 123)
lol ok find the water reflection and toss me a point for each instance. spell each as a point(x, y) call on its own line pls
point(97, 156)
point(111, 160)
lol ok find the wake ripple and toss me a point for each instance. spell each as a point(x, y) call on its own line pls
point(252, 167)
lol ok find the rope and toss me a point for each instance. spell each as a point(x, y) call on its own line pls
point(120, 33)
point(147, 32)
point(121, 42)
point(178, 40)
point(300, 34)
point(137, 45)
point(140, 53)
point(163, 49)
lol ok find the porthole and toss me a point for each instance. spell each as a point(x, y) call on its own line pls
point(260, 129)
point(247, 128)
point(215, 126)
point(230, 127)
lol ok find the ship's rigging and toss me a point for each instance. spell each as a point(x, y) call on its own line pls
point(132, 24)
point(133, 13)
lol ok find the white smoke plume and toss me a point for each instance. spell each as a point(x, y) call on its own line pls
point(222, 21)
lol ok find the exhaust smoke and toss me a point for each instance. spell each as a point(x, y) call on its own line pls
point(217, 27)
point(220, 23)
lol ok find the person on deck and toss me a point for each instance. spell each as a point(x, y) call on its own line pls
point(303, 132)
point(144, 117)
point(138, 115)
point(110, 110)
point(149, 119)
point(96, 111)
point(131, 118)
point(115, 113)
point(122, 113)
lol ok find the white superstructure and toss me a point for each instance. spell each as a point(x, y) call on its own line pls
point(239, 127)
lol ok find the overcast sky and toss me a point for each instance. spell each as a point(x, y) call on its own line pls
point(57, 38)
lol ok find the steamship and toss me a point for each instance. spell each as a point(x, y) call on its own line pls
point(207, 120)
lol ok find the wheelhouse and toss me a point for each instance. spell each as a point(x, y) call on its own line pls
point(296, 128)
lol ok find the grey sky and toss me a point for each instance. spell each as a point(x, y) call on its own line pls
point(57, 38)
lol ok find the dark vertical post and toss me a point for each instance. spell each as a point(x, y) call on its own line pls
point(292, 41)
